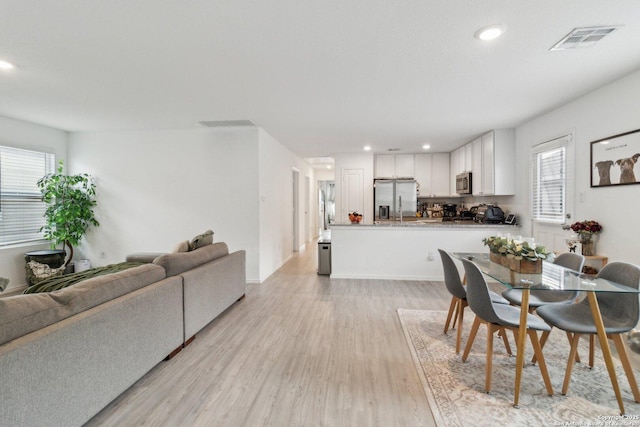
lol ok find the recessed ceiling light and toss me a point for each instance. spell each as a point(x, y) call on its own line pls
point(328, 166)
point(4, 65)
point(367, 148)
point(491, 32)
point(426, 146)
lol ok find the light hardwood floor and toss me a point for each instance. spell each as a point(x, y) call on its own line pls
point(299, 350)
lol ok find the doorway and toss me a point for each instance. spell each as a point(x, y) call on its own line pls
point(326, 205)
point(296, 209)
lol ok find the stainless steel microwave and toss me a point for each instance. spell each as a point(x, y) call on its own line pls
point(463, 183)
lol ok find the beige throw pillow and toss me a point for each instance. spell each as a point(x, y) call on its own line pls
point(181, 247)
point(201, 240)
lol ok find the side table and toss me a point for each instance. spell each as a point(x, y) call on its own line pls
point(595, 262)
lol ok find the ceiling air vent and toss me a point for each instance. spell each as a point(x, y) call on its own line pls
point(584, 37)
point(394, 149)
point(226, 123)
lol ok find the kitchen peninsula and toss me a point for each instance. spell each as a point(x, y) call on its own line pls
point(404, 251)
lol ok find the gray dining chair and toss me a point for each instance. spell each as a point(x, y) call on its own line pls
point(538, 297)
point(459, 298)
point(620, 314)
point(496, 317)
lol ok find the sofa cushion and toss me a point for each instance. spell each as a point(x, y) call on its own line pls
point(22, 314)
point(97, 290)
point(177, 263)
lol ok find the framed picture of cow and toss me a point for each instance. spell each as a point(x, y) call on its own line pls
point(616, 160)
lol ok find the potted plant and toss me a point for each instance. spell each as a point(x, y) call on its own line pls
point(70, 199)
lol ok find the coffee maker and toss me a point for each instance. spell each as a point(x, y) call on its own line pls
point(449, 210)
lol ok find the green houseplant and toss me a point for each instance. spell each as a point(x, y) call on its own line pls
point(70, 200)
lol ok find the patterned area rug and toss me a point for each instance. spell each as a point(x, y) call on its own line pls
point(455, 390)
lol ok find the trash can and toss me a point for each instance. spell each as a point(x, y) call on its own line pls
point(324, 256)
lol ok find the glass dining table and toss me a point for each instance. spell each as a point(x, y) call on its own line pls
point(558, 278)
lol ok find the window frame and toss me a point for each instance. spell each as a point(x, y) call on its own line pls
point(564, 143)
point(21, 205)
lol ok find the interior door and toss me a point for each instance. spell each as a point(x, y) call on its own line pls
point(353, 192)
point(549, 234)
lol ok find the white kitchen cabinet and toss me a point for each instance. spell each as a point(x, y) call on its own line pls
point(496, 171)
point(394, 166)
point(432, 174)
point(385, 166)
point(468, 157)
point(476, 167)
point(457, 165)
point(405, 165)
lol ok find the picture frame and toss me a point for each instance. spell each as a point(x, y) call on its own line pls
point(510, 219)
point(615, 160)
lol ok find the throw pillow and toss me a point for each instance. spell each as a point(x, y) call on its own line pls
point(201, 240)
point(43, 271)
point(181, 247)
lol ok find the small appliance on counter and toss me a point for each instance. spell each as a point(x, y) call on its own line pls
point(489, 214)
point(383, 212)
point(449, 210)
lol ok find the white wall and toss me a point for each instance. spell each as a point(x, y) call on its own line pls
point(275, 204)
point(20, 134)
point(610, 110)
point(159, 187)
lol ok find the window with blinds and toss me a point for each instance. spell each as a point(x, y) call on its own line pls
point(21, 206)
point(549, 181)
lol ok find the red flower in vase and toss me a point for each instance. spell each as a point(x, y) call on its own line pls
point(586, 227)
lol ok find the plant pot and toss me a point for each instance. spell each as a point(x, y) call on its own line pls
point(519, 266)
point(588, 244)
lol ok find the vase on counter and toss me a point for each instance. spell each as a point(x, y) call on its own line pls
point(588, 244)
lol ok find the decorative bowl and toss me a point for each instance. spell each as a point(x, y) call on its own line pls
point(355, 217)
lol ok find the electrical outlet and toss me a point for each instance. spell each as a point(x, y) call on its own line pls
point(432, 256)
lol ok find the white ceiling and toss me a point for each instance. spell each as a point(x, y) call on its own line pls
point(320, 76)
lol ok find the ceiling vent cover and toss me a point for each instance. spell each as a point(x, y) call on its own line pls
point(584, 37)
point(226, 123)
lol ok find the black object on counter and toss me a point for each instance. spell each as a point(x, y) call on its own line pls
point(449, 210)
point(493, 215)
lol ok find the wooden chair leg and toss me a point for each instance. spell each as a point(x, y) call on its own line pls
point(537, 349)
point(454, 303)
point(543, 341)
point(455, 315)
point(626, 364)
point(592, 348)
point(472, 337)
point(461, 304)
point(491, 329)
point(569, 337)
point(505, 340)
point(572, 357)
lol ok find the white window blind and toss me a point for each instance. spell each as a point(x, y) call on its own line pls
point(21, 206)
point(550, 181)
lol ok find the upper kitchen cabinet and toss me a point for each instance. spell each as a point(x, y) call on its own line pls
point(394, 166)
point(493, 171)
point(432, 174)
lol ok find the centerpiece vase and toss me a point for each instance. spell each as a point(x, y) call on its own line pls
point(588, 244)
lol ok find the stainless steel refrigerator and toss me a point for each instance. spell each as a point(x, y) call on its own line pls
point(395, 196)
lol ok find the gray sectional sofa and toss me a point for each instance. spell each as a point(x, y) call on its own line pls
point(66, 354)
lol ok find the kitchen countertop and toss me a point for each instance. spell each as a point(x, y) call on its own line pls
point(425, 224)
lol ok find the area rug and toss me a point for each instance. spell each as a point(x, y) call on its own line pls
point(455, 390)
